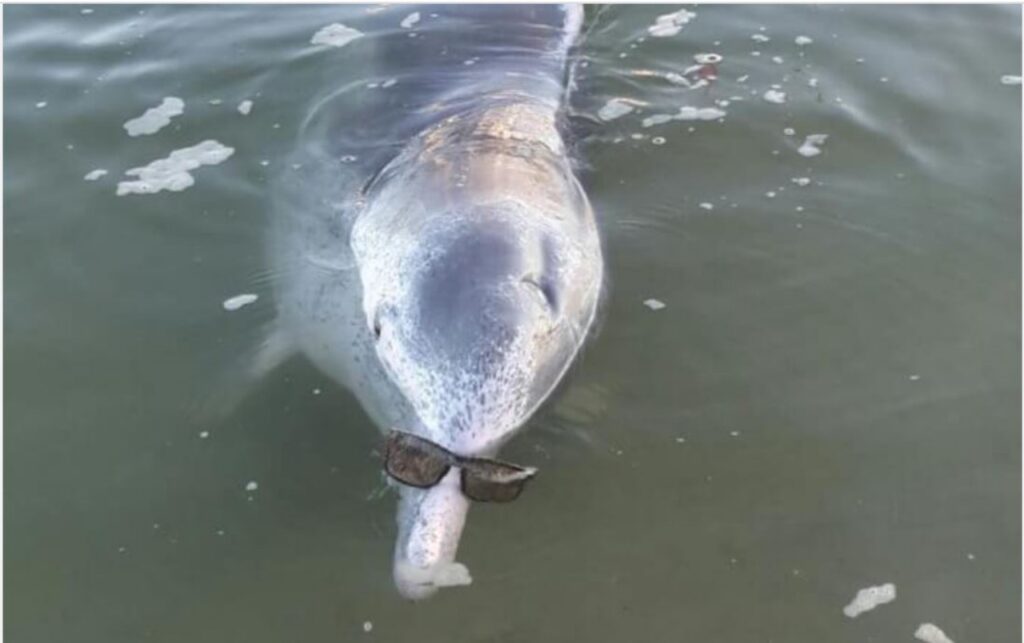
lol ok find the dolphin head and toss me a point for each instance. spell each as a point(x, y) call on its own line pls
point(476, 311)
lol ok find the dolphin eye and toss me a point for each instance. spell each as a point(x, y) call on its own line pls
point(543, 290)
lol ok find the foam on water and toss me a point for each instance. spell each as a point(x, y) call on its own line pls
point(656, 119)
point(335, 35)
point(236, 302)
point(811, 144)
point(614, 108)
point(94, 175)
point(802, 40)
point(155, 118)
point(410, 20)
point(245, 107)
point(670, 24)
point(685, 113)
point(775, 96)
point(930, 633)
point(1010, 80)
point(173, 172)
point(869, 598)
point(654, 304)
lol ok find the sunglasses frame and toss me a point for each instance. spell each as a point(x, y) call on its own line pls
point(466, 466)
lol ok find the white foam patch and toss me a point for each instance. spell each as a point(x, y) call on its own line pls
point(802, 181)
point(657, 119)
point(155, 118)
point(685, 113)
point(94, 175)
point(614, 108)
point(173, 172)
point(930, 633)
point(1010, 80)
point(236, 302)
point(760, 37)
point(440, 575)
point(41, 104)
point(802, 40)
point(654, 304)
point(707, 206)
point(670, 24)
point(410, 20)
point(869, 598)
point(811, 145)
point(775, 96)
point(245, 107)
point(335, 35)
point(677, 79)
point(252, 485)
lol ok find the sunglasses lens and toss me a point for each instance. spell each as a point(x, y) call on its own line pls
point(494, 482)
point(414, 461)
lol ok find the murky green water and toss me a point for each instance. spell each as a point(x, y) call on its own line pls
point(830, 398)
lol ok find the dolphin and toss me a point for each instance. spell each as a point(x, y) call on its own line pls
point(436, 254)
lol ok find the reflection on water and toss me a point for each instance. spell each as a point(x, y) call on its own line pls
point(828, 400)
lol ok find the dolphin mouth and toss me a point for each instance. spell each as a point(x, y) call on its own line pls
point(418, 583)
point(430, 523)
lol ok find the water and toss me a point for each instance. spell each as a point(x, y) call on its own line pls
point(829, 399)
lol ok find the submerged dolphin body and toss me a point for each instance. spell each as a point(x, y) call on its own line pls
point(449, 275)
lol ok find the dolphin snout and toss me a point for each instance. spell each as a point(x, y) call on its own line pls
point(430, 523)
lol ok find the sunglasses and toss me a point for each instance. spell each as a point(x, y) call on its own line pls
point(418, 462)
